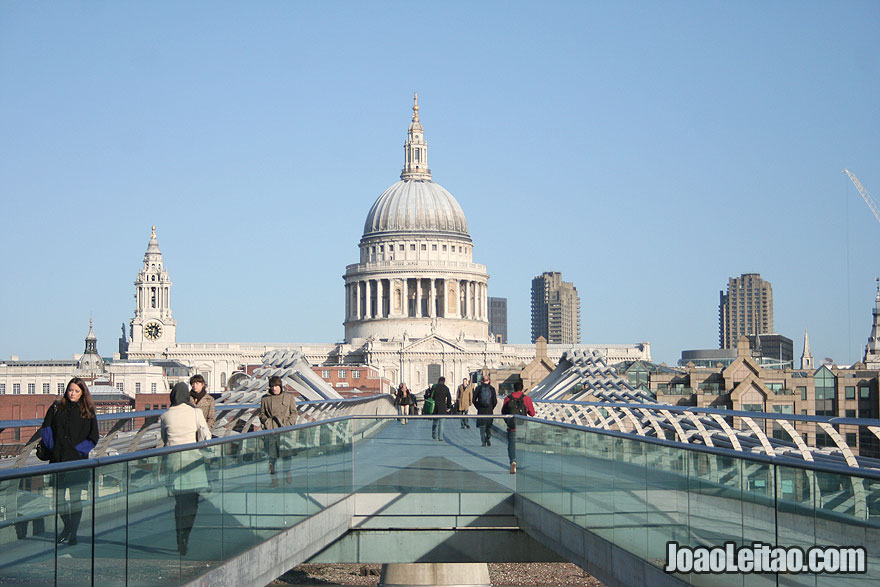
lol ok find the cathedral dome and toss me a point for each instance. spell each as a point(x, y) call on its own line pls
point(416, 206)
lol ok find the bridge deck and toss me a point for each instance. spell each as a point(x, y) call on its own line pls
point(588, 489)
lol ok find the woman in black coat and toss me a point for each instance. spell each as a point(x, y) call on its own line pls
point(70, 432)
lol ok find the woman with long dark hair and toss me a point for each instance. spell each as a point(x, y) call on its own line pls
point(70, 432)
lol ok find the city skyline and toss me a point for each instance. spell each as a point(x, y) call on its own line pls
point(707, 141)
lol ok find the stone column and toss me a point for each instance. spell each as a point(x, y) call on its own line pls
point(435, 574)
point(405, 308)
point(380, 301)
point(418, 297)
point(357, 305)
point(432, 300)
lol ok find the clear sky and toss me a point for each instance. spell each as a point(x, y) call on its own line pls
point(647, 150)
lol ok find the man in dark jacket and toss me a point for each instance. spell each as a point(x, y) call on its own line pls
point(485, 400)
point(442, 402)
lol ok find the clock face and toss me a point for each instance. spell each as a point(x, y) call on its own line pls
point(153, 330)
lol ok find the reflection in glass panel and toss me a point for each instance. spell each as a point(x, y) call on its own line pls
point(630, 496)
point(74, 499)
point(667, 499)
point(111, 529)
point(27, 535)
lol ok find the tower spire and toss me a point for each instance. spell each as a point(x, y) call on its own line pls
point(872, 349)
point(415, 150)
point(807, 356)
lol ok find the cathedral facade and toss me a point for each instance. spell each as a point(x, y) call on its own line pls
point(416, 303)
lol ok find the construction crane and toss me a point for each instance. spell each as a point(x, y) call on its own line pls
point(864, 193)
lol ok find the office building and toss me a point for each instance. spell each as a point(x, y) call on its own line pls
point(498, 319)
point(556, 310)
point(745, 310)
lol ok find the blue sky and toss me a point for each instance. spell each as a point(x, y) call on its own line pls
point(648, 151)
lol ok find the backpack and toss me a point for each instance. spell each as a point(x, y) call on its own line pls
point(428, 404)
point(484, 397)
point(517, 405)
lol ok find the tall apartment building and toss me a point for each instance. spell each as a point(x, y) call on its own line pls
point(556, 310)
point(498, 319)
point(746, 309)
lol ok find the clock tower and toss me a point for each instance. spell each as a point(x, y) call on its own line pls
point(152, 328)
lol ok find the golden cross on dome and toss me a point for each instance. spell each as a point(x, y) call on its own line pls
point(416, 108)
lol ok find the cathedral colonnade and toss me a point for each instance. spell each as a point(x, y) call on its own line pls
point(415, 297)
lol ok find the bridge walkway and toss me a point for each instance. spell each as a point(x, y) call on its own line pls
point(373, 490)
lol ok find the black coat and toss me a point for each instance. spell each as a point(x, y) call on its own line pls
point(72, 436)
point(442, 399)
point(493, 401)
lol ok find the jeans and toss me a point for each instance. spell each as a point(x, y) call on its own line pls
point(465, 423)
point(437, 428)
point(485, 433)
point(511, 444)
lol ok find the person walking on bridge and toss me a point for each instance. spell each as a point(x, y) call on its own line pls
point(200, 398)
point(442, 404)
point(465, 400)
point(277, 410)
point(403, 399)
point(70, 432)
point(516, 404)
point(485, 400)
point(183, 423)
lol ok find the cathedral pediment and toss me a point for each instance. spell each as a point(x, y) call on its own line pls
point(432, 343)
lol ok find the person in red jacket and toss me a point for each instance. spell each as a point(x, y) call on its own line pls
point(517, 403)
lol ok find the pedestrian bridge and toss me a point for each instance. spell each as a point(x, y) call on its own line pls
point(371, 489)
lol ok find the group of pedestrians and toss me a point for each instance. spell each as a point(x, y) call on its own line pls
point(438, 401)
point(70, 431)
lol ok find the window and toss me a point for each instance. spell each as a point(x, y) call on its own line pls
point(850, 413)
point(152, 388)
point(325, 373)
point(864, 392)
point(147, 407)
point(45, 388)
point(120, 386)
point(433, 247)
point(164, 406)
point(752, 408)
point(424, 247)
point(399, 247)
point(412, 247)
point(32, 388)
point(783, 409)
point(825, 383)
point(137, 387)
point(341, 373)
point(851, 439)
point(802, 389)
point(850, 392)
point(2, 388)
point(444, 248)
point(356, 374)
point(60, 388)
point(775, 387)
